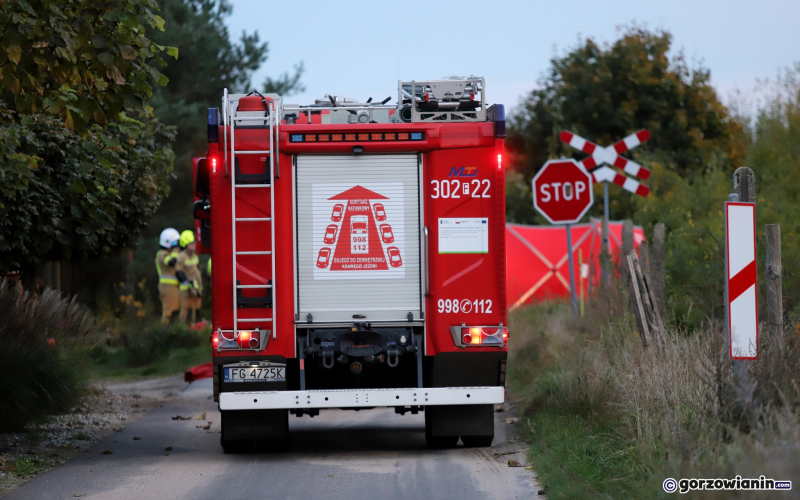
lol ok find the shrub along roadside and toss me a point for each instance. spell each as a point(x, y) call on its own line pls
point(146, 348)
point(606, 419)
point(40, 369)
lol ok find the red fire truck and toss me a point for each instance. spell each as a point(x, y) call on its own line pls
point(359, 259)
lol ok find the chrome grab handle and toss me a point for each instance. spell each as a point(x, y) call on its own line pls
point(425, 259)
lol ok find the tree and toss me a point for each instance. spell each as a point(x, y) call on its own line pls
point(87, 62)
point(604, 93)
point(84, 162)
point(209, 63)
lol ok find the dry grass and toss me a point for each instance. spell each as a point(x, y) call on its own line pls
point(40, 373)
point(678, 407)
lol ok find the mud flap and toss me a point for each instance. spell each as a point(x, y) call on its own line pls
point(255, 424)
point(459, 420)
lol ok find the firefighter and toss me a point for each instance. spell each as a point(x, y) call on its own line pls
point(166, 259)
point(191, 280)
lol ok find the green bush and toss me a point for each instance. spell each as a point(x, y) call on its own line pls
point(146, 342)
point(135, 343)
point(40, 369)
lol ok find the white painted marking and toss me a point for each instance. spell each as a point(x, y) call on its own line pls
point(631, 168)
point(577, 142)
point(604, 174)
point(605, 155)
point(741, 247)
point(631, 185)
point(744, 324)
point(631, 141)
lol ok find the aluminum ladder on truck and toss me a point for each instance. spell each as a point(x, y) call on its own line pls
point(271, 120)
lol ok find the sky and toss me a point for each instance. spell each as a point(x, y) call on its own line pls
point(359, 48)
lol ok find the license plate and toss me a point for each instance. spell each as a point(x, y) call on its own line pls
point(255, 374)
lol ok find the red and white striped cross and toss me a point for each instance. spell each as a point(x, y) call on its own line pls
point(608, 174)
point(611, 155)
point(741, 279)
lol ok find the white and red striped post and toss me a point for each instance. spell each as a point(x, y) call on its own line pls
point(741, 290)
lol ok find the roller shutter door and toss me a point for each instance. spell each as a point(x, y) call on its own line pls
point(358, 238)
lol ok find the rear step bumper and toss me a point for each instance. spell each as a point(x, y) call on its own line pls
point(361, 398)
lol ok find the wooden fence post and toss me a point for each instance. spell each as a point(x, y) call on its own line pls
point(773, 279)
point(744, 186)
point(636, 298)
point(627, 237)
point(644, 256)
point(643, 302)
point(657, 271)
point(627, 246)
point(605, 256)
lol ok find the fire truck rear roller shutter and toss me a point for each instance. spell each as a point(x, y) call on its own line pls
point(344, 191)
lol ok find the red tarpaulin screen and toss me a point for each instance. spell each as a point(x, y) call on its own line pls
point(537, 261)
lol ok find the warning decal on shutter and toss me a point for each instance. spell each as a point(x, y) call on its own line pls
point(358, 231)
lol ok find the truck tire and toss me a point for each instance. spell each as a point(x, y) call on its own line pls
point(474, 423)
point(235, 446)
point(240, 428)
point(431, 423)
point(280, 442)
point(477, 441)
point(440, 441)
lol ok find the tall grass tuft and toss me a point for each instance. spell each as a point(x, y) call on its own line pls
point(676, 405)
point(40, 369)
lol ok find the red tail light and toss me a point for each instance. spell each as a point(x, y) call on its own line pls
point(482, 335)
point(249, 339)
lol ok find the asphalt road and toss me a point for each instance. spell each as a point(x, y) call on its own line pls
point(338, 454)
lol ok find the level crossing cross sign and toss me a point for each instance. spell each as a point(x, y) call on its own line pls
point(741, 279)
point(562, 191)
point(610, 155)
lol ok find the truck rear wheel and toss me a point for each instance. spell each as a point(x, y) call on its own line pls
point(474, 423)
point(268, 428)
point(433, 425)
point(235, 446)
point(477, 441)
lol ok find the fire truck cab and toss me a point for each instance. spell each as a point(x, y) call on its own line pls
point(359, 259)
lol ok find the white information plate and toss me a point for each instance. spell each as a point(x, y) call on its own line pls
point(464, 235)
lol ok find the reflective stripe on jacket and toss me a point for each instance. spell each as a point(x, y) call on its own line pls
point(164, 275)
point(190, 265)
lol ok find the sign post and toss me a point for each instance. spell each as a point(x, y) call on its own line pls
point(562, 193)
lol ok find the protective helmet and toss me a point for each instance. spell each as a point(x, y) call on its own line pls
point(169, 238)
point(187, 237)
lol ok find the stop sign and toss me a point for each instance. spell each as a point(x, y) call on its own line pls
point(562, 191)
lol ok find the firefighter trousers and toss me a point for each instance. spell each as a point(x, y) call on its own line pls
point(188, 302)
point(170, 301)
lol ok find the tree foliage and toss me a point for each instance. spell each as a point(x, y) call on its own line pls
point(83, 162)
point(691, 209)
point(209, 62)
point(604, 93)
point(87, 62)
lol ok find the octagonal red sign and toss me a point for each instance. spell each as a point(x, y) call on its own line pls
point(562, 191)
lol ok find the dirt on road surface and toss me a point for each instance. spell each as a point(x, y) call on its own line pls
point(106, 409)
point(338, 454)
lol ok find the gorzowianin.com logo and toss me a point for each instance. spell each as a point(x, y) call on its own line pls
point(737, 484)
